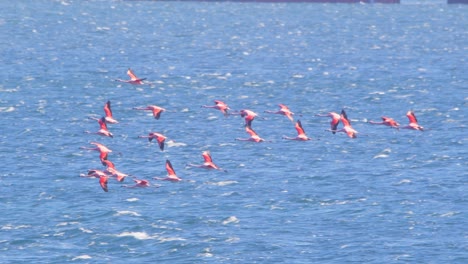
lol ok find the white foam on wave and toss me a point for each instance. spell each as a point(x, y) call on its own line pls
point(67, 223)
point(383, 154)
point(127, 213)
point(84, 230)
point(172, 143)
point(132, 199)
point(231, 220)
point(82, 257)
point(12, 227)
point(7, 109)
point(449, 214)
point(136, 235)
point(404, 181)
point(223, 183)
point(232, 239)
point(169, 239)
point(206, 253)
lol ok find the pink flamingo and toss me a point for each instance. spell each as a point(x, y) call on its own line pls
point(284, 110)
point(248, 116)
point(253, 135)
point(112, 171)
point(103, 131)
point(93, 173)
point(347, 128)
point(157, 136)
point(208, 163)
point(103, 150)
point(413, 122)
point(386, 121)
point(157, 111)
point(171, 175)
point(219, 105)
point(139, 184)
point(300, 133)
point(335, 120)
point(133, 78)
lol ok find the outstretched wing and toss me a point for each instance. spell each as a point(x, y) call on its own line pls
point(103, 183)
point(344, 118)
point(412, 117)
point(206, 156)
point(107, 109)
point(299, 128)
point(132, 75)
point(169, 168)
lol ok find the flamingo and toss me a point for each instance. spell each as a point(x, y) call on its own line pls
point(108, 112)
point(103, 182)
point(253, 135)
point(133, 78)
point(159, 137)
point(171, 175)
point(103, 150)
point(387, 121)
point(413, 122)
point(138, 184)
point(300, 133)
point(284, 110)
point(103, 131)
point(112, 171)
point(155, 109)
point(248, 116)
point(347, 125)
point(208, 163)
point(219, 105)
point(335, 120)
point(93, 173)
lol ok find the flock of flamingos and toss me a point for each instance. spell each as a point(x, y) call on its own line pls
point(249, 116)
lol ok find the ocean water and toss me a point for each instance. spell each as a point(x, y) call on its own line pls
point(387, 196)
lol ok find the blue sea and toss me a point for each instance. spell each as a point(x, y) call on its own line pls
point(387, 196)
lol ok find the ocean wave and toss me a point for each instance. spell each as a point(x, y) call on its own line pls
point(136, 235)
point(127, 213)
point(81, 257)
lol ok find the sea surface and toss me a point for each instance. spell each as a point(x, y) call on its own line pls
point(387, 196)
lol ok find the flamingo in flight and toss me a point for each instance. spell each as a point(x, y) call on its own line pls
point(108, 114)
point(208, 163)
point(133, 78)
point(284, 110)
point(171, 175)
point(112, 171)
point(158, 137)
point(157, 111)
point(139, 184)
point(413, 122)
point(386, 121)
point(248, 116)
point(103, 150)
point(253, 136)
point(347, 128)
point(103, 131)
point(219, 105)
point(94, 173)
point(335, 120)
point(301, 136)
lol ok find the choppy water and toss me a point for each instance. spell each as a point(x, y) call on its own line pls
point(386, 197)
